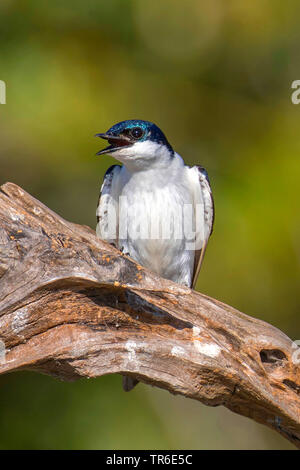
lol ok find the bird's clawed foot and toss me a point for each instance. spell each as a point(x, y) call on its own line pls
point(123, 251)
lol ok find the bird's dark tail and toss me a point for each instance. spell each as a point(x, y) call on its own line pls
point(128, 383)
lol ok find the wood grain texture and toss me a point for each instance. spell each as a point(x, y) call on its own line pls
point(73, 306)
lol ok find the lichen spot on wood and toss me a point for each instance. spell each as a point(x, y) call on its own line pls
point(196, 334)
point(2, 352)
point(16, 217)
point(208, 349)
point(131, 347)
point(19, 320)
point(196, 331)
point(37, 211)
point(177, 351)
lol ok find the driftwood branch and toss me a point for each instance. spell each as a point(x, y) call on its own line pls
point(73, 306)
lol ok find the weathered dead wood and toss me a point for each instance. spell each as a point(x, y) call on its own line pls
point(73, 306)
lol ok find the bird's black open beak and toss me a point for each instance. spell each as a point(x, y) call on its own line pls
point(116, 142)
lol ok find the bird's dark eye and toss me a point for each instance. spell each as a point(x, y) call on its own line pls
point(136, 132)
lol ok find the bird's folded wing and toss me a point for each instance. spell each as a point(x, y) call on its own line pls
point(203, 200)
point(108, 204)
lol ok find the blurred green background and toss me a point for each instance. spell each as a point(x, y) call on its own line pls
point(216, 77)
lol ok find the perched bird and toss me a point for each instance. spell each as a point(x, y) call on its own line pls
point(154, 207)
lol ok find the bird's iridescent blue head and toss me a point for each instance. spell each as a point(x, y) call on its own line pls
point(126, 134)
